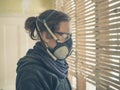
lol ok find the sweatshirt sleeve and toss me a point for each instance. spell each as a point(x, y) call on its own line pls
point(28, 81)
point(30, 84)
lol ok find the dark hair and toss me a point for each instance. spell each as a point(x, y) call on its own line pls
point(52, 18)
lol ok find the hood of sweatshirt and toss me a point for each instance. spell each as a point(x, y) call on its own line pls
point(38, 56)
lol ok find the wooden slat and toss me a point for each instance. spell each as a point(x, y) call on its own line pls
point(109, 83)
point(101, 68)
point(106, 84)
point(103, 27)
point(81, 33)
point(104, 60)
point(110, 57)
point(116, 83)
point(109, 69)
point(108, 74)
point(102, 42)
point(91, 45)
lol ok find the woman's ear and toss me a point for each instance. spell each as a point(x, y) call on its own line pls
point(45, 37)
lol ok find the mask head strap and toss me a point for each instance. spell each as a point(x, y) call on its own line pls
point(45, 24)
point(39, 34)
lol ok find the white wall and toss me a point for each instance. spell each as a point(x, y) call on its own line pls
point(14, 42)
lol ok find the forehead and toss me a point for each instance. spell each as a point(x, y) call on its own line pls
point(64, 27)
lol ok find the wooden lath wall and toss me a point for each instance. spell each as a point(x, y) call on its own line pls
point(96, 36)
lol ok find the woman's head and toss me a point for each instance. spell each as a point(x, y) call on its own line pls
point(53, 19)
point(53, 28)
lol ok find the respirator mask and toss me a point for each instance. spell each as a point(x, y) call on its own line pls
point(62, 49)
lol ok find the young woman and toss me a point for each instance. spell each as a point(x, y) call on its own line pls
point(44, 67)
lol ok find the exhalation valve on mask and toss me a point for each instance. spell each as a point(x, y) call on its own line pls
point(61, 52)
